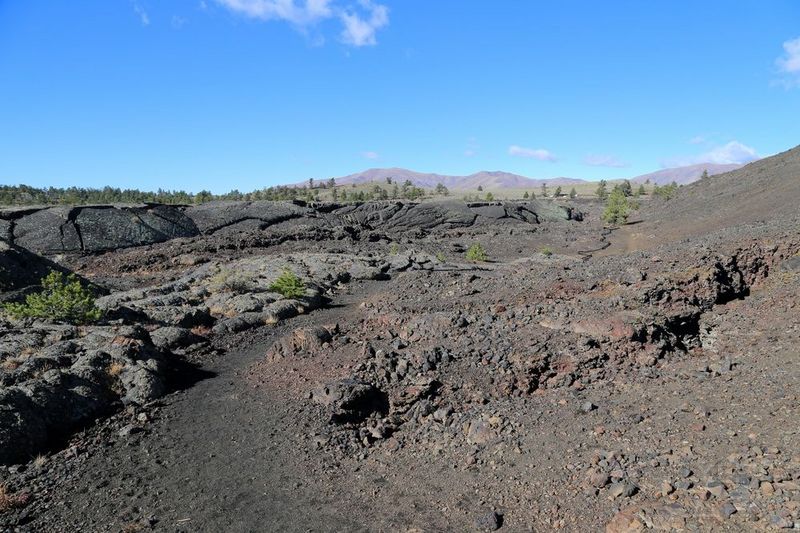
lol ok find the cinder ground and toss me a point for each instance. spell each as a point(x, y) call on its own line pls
point(637, 379)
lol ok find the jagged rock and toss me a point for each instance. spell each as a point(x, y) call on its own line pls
point(351, 400)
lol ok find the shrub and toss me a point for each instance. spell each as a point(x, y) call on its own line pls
point(617, 208)
point(289, 285)
point(394, 249)
point(441, 257)
point(227, 280)
point(546, 251)
point(477, 253)
point(62, 299)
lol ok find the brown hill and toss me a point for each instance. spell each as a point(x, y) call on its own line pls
point(684, 175)
point(485, 179)
point(755, 193)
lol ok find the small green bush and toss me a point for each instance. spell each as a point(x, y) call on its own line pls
point(441, 257)
point(477, 253)
point(546, 251)
point(62, 299)
point(394, 249)
point(289, 285)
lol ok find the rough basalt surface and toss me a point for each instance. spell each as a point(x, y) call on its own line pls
point(584, 378)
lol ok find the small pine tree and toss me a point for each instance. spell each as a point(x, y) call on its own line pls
point(477, 253)
point(544, 190)
point(617, 208)
point(526, 195)
point(289, 285)
point(642, 191)
point(62, 299)
point(489, 197)
point(704, 175)
point(480, 188)
point(558, 192)
point(573, 193)
point(602, 192)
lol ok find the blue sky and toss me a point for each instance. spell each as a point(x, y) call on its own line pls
point(222, 94)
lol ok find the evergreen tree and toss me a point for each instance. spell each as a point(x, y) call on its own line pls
point(602, 192)
point(617, 208)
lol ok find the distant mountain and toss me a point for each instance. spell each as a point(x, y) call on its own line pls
point(684, 175)
point(485, 179)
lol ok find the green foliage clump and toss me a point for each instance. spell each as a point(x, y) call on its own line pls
point(394, 249)
point(289, 285)
point(602, 192)
point(666, 192)
point(573, 193)
point(489, 197)
point(477, 253)
point(441, 257)
point(546, 251)
point(62, 299)
point(617, 207)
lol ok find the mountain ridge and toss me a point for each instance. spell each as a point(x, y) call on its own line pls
point(498, 179)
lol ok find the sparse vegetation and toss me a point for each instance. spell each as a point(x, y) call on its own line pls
point(666, 192)
point(573, 193)
point(394, 249)
point(476, 253)
point(441, 257)
point(289, 285)
point(546, 251)
point(227, 280)
point(62, 299)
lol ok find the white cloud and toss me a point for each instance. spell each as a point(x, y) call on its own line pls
point(298, 14)
point(360, 22)
point(178, 22)
point(538, 153)
point(790, 62)
point(360, 31)
point(789, 65)
point(370, 155)
point(600, 160)
point(698, 139)
point(139, 10)
point(733, 152)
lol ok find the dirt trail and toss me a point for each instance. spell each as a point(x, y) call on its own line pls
point(217, 457)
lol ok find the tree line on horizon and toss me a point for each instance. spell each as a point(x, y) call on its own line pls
point(27, 195)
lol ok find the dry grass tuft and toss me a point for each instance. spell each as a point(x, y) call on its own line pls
point(10, 501)
point(11, 364)
point(115, 369)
